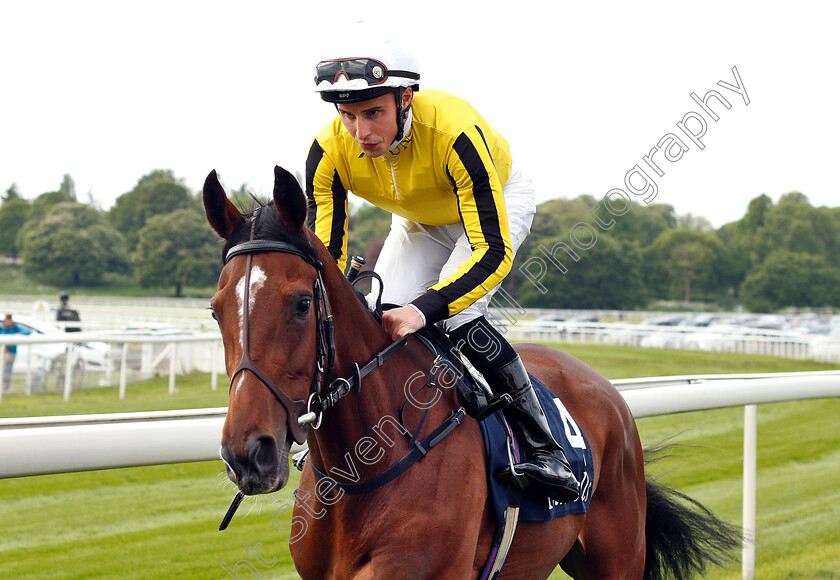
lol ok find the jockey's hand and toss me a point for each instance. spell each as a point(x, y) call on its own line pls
point(401, 321)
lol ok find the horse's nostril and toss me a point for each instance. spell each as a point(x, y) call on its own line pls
point(263, 454)
point(230, 463)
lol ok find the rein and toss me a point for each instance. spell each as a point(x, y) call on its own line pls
point(341, 387)
point(417, 448)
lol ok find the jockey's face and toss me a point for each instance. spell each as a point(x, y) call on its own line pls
point(373, 123)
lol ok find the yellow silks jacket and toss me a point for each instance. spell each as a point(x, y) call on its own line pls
point(449, 168)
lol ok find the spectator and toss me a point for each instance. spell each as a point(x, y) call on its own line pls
point(67, 314)
point(9, 327)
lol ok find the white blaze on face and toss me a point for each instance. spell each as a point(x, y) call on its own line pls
point(258, 278)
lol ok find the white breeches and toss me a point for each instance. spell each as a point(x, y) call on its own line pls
point(415, 257)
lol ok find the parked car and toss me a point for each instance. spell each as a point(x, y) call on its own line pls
point(703, 320)
point(670, 320)
point(590, 318)
point(52, 357)
point(549, 322)
point(551, 318)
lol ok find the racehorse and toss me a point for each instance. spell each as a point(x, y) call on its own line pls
point(294, 329)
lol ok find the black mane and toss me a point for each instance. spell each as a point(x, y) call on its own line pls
point(267, 226)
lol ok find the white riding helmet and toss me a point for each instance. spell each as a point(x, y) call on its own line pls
point(372, 71)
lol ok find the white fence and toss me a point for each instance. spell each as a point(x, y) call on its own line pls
point(666, 395)
point(732, 339)
point(118, 313)
point(72, 443)
point(148, 353)
point(42, 445)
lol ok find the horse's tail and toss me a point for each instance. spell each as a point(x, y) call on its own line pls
point(683, 537)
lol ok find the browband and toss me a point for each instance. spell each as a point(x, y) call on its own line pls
point(253, 246)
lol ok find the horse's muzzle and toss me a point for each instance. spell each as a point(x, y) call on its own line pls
point(258, 467)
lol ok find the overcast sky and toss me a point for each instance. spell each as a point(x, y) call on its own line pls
point(108, 91)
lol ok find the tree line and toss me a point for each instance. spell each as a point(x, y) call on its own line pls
point(775, 256)
point(155, 235)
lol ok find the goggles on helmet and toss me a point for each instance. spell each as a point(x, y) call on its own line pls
point(371, 70)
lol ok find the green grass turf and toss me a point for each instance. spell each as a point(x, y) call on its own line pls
point(191, 392)
point(146, 522)
point(161, 521)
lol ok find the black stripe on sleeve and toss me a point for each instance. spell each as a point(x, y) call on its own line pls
point(338, 201)
point(489, 222)
point(486, 146)
point(312, 161)
point(457, 199)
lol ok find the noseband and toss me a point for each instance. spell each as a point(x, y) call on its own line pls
point(297, 415)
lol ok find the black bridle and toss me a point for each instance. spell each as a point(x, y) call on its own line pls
point(301, 413)
point(297, 412)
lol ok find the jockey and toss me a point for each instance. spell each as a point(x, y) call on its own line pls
point(461, 209)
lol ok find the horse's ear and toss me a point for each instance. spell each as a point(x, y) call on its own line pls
point(289, 199)
point(221, 213)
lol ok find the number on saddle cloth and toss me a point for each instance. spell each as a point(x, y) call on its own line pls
point(537, 507)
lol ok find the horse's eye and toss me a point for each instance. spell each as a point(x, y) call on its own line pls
point(213, 314)
point(303, 306)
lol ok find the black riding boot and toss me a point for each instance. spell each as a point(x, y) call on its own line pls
point(546, 466)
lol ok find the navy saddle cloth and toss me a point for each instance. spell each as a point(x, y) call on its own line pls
point(568, 433)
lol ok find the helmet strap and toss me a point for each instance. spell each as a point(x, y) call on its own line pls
point(402, 116)
point(401, 113)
